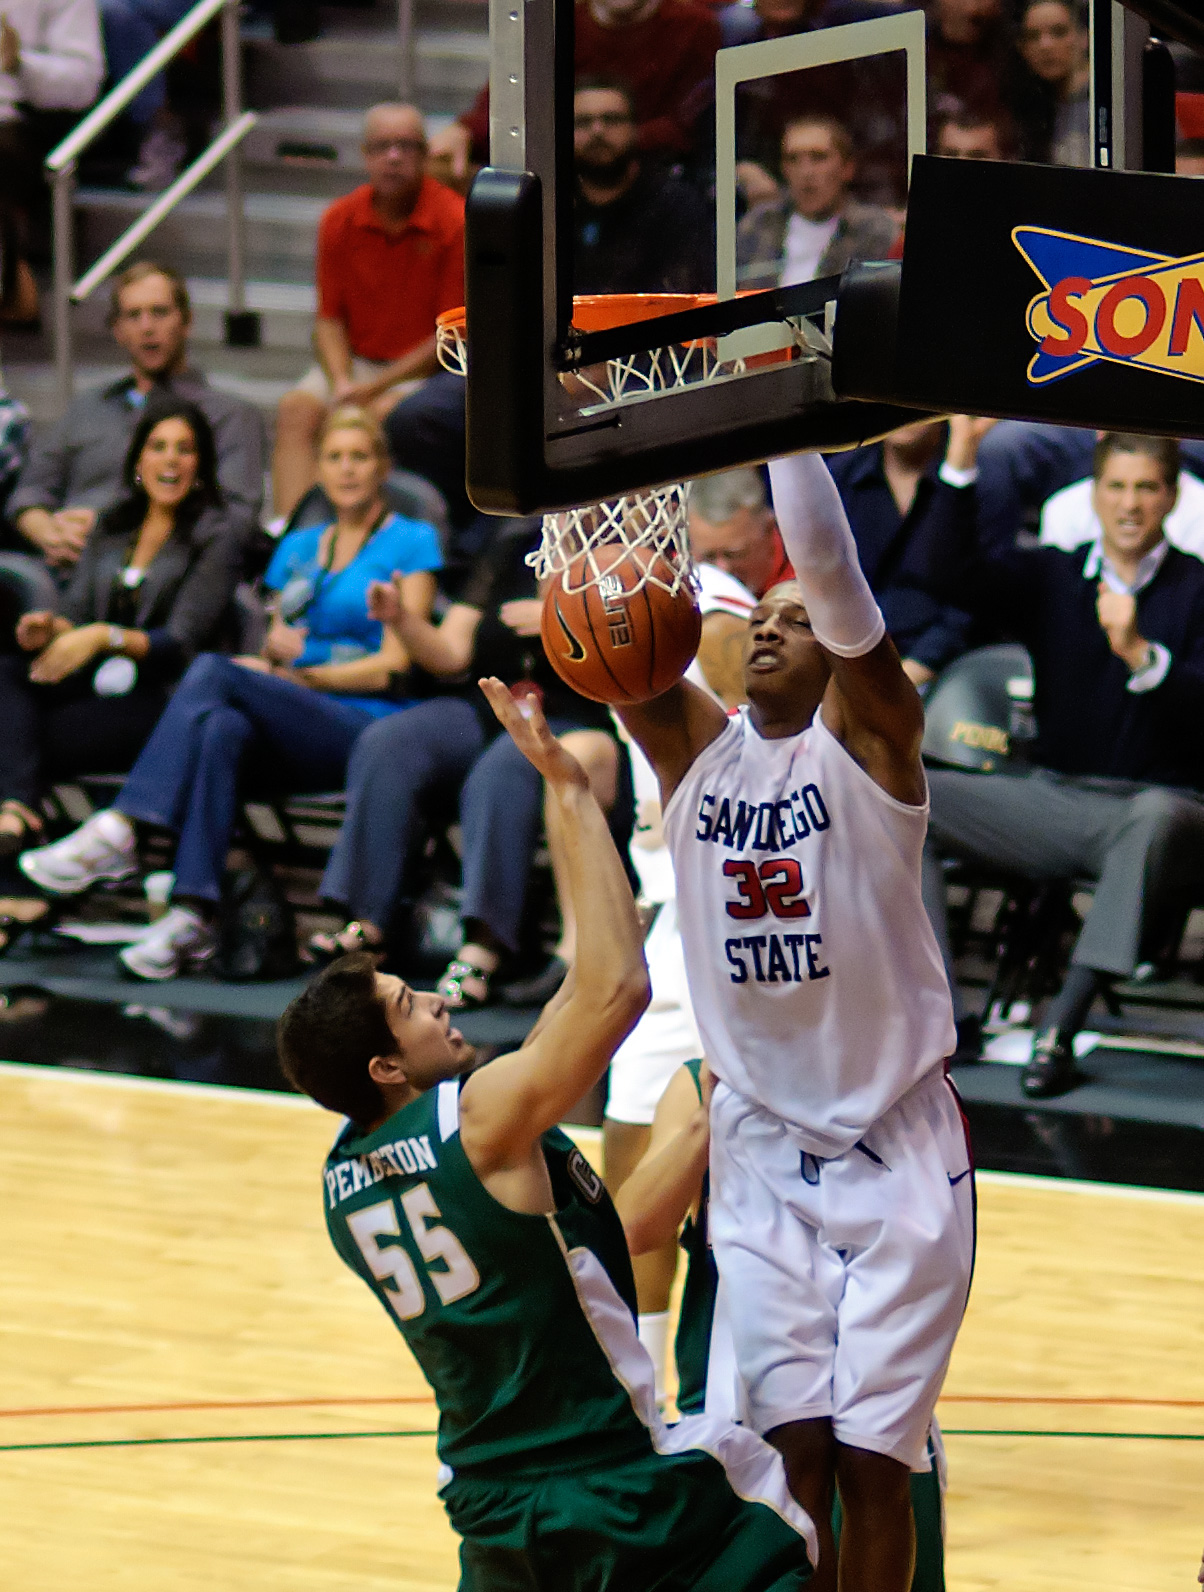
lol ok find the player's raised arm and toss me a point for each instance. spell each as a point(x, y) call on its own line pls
point(870, 704)
point(672, 729)
point(506, 1106)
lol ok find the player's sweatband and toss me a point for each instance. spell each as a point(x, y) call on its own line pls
point(844, 615)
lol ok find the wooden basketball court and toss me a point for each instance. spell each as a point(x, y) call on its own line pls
point(195, 1394)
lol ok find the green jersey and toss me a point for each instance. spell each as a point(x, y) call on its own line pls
point(562, 1473)
point(492, 1302)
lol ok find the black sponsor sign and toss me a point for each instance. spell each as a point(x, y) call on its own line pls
point(1054, 294)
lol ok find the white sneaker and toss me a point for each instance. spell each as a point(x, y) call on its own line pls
point(160, 160)
point(102, 849)
point(181, 941)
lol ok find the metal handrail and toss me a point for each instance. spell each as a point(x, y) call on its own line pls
point(116, 100)
point(163, 205)
point(406, 77)
point(61, 168)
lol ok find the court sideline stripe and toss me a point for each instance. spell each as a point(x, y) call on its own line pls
point(213, 1404)
point(326, 1437)
point(1067, 1398)
point(287, 1098)
point(220, 1437)
point(129, 1080)
point(426, 1398)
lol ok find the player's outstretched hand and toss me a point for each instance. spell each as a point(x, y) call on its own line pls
point(530, 733)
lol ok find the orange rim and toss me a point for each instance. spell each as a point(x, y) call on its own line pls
point(599, 312)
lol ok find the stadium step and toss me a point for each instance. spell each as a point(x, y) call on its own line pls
point(357, 62)
point(280, 231)
point(303, 152)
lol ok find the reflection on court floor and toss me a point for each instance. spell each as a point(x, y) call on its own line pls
point(197, 1395)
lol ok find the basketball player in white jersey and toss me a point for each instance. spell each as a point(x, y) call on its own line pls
point(666, 1035)
point(841, 1199)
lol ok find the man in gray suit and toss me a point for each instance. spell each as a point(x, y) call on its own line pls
point(815, 228)
point(74, 469)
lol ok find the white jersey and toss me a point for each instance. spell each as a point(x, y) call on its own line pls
point(816, 980)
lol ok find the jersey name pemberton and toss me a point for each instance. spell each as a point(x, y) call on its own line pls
point(815, 976)
point(402, 1157)
point(497, 1306)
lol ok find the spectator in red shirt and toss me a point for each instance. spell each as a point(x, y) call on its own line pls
point(733, 527)
point(390, 259)
point(662, 50)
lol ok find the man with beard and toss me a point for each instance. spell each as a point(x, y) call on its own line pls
point(636, 229)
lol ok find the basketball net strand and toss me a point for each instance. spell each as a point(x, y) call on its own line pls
point(653, 521)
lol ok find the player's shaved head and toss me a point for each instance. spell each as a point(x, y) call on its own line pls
point(789, 590)
point(786, 671)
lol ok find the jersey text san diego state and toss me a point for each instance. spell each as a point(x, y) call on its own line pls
point(815, 976)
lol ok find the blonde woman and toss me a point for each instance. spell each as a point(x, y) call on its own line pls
point(326, 672)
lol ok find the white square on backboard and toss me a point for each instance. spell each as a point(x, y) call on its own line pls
point(744, 63)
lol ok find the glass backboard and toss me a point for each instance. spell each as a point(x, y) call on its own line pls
point(656, 250)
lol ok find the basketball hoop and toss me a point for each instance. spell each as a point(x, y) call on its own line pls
point(653, 522)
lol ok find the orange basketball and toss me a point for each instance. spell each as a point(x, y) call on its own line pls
point(613, 643)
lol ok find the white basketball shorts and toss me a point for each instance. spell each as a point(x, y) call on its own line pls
point(846, 1279)
point(664, 1037)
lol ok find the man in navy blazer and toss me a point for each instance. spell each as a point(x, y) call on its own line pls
point(1116, 634)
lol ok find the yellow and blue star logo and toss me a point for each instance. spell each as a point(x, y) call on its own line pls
point(1103, 301)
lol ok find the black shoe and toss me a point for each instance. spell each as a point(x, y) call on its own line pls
point(1051, 1071)
point(539, 990)
point(969, 1042)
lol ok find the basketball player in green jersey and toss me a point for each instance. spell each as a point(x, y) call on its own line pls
point(666, 1198)
point(496, 1250)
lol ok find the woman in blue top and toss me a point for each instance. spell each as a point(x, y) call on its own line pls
point(324, 674)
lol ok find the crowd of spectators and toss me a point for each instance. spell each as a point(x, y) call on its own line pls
point(133, 525)
point(637, 228)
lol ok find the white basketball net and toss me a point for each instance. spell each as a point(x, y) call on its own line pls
point(651, 522)
point(656, 370)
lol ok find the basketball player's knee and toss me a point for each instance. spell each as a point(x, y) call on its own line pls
point(808, 1450)
point(870, 1481)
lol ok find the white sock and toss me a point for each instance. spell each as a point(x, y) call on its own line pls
point(654, 1335)
point(113, 826)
